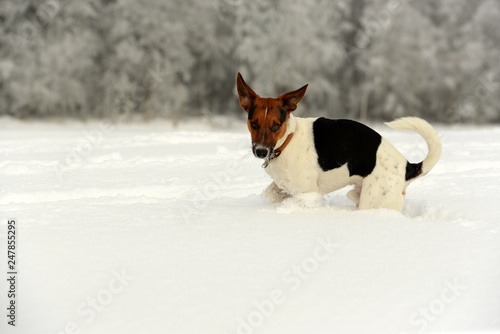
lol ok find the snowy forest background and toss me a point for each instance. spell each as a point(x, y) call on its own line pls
point(362, 59)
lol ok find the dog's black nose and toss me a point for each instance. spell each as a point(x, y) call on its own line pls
point(261, 153)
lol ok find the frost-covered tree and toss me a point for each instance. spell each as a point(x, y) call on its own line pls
point(428, 62)
point(143, 58)
point(398, 65)
point(285, 44)
point(165, 58)
point(52, 52)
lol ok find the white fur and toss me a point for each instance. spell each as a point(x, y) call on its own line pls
point(296, 171)
point(427, 132)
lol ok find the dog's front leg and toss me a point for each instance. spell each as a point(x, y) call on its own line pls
point(275, 194)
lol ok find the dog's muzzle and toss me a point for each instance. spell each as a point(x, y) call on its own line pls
point(261, 152)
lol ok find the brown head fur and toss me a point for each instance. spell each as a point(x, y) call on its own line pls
point(267, 117)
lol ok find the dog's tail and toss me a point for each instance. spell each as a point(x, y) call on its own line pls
point(414, 170)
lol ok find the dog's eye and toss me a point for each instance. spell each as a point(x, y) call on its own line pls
point(254, 125)
point(275, 127)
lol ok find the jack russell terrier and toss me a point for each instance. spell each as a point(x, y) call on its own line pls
point(311, 157)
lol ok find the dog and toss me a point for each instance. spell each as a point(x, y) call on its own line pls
point(311, 157)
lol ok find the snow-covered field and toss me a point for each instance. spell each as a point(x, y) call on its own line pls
point(146, 229)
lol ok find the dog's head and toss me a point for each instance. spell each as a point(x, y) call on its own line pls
point(267, 117)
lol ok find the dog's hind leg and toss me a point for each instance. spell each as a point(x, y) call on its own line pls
point(275, 194)
point(378, 192)
point(384, 186)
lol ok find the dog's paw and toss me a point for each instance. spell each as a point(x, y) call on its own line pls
point(275, 194)
point(308, 200)
point(354, 195)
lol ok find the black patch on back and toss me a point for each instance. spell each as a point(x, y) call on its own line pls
point(344, 141)
point(413, 170)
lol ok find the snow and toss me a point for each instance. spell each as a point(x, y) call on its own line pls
point(148, 229)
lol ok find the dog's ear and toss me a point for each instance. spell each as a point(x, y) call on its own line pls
point(247, 95)
point(289, 100)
